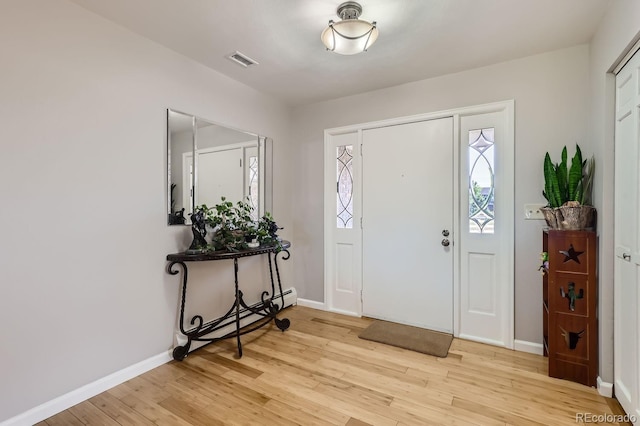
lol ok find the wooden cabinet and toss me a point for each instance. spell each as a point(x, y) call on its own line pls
point(569, 287)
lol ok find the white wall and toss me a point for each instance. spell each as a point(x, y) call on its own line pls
point(617, 32)
point(551, 103)
point(83, 223)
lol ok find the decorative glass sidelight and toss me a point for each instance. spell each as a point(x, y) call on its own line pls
point(481, 181)
point(344, 187)
point(253, 185)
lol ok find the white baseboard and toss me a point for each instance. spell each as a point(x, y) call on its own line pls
point(530, 347)
point(604, 388)
point(348, 313)
point(322, 307)
point(61, 403)
point(482, 340)
point(311, 304)
point(68, 400)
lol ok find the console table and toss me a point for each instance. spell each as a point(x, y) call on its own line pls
point(266, 308)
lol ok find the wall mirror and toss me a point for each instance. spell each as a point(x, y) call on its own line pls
point(207, 161)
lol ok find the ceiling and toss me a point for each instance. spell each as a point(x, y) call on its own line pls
point(418, 39)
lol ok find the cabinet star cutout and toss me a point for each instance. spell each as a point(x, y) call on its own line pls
point(571, 338)
point(571, 254)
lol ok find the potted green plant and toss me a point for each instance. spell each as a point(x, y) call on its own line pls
point(568, 189)
point(267, 231)
point(234, 227)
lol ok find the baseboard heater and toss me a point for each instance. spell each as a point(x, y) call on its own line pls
point(247, 317)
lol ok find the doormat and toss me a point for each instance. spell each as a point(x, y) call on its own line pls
point(407, 337)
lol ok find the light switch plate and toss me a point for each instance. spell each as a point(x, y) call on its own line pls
point(532, 211)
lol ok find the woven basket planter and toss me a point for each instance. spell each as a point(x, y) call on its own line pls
point(570, 217)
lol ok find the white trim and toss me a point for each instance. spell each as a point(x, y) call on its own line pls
point(228, 147)
point(604, 388)
point(326, 214)
point(483, 340)
point(510, 110)
point(311, 304)
point(529, 347)
point(321, 306)
point(627, 57)
point(508, 107)
point(472, 110)
point(343, 312)
point(63, 402)
point(455, 226)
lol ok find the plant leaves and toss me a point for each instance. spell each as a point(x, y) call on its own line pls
point(552, 189)
point(587, 182)
point(575, 176)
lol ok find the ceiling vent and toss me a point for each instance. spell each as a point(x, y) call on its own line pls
point(241, 59)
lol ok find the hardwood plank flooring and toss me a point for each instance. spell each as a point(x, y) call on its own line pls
point(320, 373)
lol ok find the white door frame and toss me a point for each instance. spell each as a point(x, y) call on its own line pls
point(244, 146)
point(626, 238)
point(352, 303)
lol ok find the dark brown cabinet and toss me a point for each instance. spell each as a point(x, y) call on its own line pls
point(570, 324)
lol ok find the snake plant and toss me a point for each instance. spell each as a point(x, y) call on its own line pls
point(563, 184)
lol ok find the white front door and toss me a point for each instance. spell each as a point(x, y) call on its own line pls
point(626, 239)
point(407, 199)
point(404, 185)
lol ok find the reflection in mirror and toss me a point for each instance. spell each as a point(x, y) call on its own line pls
point(207, 161)
point(180, 146)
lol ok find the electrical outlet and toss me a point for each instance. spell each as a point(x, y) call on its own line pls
point(532, 211)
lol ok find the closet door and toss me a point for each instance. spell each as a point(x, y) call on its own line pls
point(627, 259)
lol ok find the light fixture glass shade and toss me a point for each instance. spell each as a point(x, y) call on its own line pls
point(349, 36)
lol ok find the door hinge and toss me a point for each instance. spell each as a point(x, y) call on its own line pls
point(241, 162)
point(361, 226)
point(361, 296)
point(360, 150)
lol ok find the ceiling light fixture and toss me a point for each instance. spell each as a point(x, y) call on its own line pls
point(351, 35)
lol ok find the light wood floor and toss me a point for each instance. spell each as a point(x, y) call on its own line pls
point(320, 373)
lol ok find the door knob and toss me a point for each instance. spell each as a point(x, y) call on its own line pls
point(626, 256)
point(445, 242)
point(445, 232)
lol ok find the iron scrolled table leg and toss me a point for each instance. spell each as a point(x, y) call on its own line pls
point(238, 299)
point(180, 352)
point(284, 323)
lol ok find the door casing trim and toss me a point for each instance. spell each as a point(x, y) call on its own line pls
point(329, 202)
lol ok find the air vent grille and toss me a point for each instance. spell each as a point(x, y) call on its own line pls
point(241, 59)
